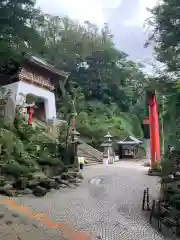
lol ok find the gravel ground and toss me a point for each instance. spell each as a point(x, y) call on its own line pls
point(107, 204)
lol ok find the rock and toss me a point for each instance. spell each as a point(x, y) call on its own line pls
point(56, 185)
point(77, 184)
point(177, 173)
point(47, 183)
point(78, 181)
point(79, 175)
point(8, 187)
point(171, 176)
point(32, 184)
point(39, 191)
point(9, 193)
point(73, 174)
point(2, 181)
point(59, 180)
point(47, 171)
point(71, 185)
point(63, 185)
point(7, 190)
point(64, 182)
point(21, 183)
point(65, 176)
point(26, 191)
point(73, 180)
point(38, 176)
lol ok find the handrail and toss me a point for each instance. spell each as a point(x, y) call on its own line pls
point(89, 153)
point(94, 149)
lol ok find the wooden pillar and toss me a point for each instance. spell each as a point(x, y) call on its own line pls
point(154, 128)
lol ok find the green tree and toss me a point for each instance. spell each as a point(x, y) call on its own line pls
point(166, 33)
point(17, 33)
point(108, 83)
point(166, 40)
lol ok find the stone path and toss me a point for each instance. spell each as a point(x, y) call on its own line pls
point(107, 205)
point(14, 226)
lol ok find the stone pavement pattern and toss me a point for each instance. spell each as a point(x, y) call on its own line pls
point(14, 226)
point(107, 205)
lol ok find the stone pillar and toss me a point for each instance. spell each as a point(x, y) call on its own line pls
point(50, 107)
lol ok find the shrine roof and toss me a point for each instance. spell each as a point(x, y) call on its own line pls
point(130, 140)
point(42, 63)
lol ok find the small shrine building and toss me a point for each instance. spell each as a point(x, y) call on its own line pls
point(128, 148)
point(35, 83)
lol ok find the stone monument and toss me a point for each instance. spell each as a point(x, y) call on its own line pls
point(108, 151)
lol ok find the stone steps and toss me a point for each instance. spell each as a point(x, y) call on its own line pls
point(91, 155)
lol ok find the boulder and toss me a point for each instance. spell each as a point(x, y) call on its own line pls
point(76, 175)
point(73, 174)
point(26, 191)
point(59, 180)
point(38, 176)
point(65, 176)
point(63, 182)
point(71, 185)
point(32, 184)
point(77, 184)
point(39, 191)
point(56, 185)
point(48, 171)
point(73, 180)
point(7, 190)
point(63, 185)
point(78, 181)
point(47, 183)
point(80, 176)
point(8, 187)
point(2, 181)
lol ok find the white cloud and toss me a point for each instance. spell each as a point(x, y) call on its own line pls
point(92, 10)
point(142, 14)
point(82, 10)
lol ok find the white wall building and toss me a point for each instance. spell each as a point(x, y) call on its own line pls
point(35, 83)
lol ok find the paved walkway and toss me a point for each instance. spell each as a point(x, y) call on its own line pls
point(107, 205)
point(15, 226)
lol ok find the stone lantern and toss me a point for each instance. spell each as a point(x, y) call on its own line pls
point(108, 151)
point(74, 142)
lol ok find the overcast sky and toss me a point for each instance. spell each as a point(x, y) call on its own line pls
point(125, 18)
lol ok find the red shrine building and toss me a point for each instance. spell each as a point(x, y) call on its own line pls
point(34, 85)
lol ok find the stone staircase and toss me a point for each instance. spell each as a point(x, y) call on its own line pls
point(92, 156)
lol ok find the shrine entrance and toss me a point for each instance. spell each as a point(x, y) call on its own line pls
point(128, 148)
point(39, 112)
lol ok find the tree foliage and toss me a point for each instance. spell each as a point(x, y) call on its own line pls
point(17, 33)
point(165, 22)
point(108, 83)
point(109, 87)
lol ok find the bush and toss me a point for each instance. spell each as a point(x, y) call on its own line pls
point(15, 170)
point(49, 161)
point(26, 150)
